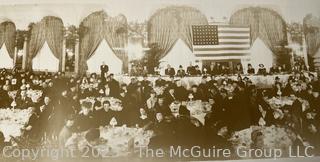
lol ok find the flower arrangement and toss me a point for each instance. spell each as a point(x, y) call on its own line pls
point(115, 141)
point(195, 107)
point(35, 95)
point(274, 137)
point(159, 90)
point(13, 120)
point(277, 103)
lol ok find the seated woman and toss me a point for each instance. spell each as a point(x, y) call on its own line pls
point(250, 70)
point(277, 90)
point(262, 70)
point(143, 119)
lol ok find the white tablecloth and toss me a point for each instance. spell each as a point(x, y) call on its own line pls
point(258, 80)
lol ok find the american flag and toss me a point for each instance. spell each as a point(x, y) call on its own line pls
point(220, 41)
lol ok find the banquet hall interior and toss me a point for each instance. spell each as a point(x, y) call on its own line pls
point(124, 79)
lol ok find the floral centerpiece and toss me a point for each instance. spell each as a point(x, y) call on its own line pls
point(115, 141)
point(89, 85)
point(35, 95)
point(195, 107)
point(159, 90)
point(13, 120)
point(274, 137)
point(277, 103)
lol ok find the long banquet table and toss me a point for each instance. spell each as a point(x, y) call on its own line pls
point(259, 80)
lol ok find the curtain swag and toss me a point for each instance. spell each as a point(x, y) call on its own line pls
point(97, 27)
point(264, 23)
point(50, 30)
point(169, 24)
point(8, 36)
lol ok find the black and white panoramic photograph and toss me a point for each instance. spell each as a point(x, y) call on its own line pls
point(159, 80)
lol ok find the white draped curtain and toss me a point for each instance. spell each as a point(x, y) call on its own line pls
point(7, 44)
point(45, 60)
point(169, 24)
point(50, 31)
point(311, 26)
point(105, 54)
point(265, 24)
point(97, 27)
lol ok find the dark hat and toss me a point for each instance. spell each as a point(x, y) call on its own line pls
point(106, 102)
point(92, 134)
point(87, 104)
point(70, 117)
point(171, 87)
point(222, 90)
point(220, 124)
point(122, 91)
point(97, 104)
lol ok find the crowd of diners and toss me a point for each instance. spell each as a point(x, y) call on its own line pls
point(233, 105)
point(216, 68)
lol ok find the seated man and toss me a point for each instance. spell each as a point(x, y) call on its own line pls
point(5, 100)
point(181, 72)
point(85, 119)
point(169, 71)
point(160, 82)
point(191, 70)
point(23, 101)
point(238, 69)
point(67, 131)
point(274, 69)
point(103, 115)
point(220, 139)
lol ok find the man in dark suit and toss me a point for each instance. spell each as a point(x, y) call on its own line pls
point(204, 89)
point(5, 100)
point(195, 92)
point(170, 97)
point(44, 112)
point(181, 92)
point(218, 69)
point(23, 101)
point(170, 71)
point(181, 72)
point(160, 82)
point(211, 69)
point(104, 69)
point(274, 69)
point(191, 70)
point(114, 86)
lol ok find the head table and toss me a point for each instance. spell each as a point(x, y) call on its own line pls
point(260, 81)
